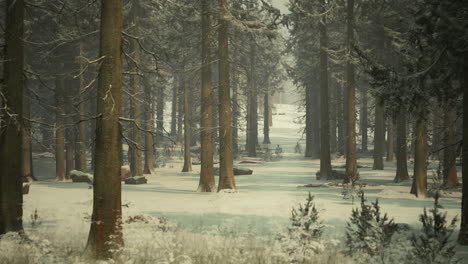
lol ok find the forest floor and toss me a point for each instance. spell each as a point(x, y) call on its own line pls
point(261, 207)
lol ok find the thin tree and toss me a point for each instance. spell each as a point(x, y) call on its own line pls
point(325, 158)
point(187, 129)
point(105, 234)
point(449, 165)
point(207, 181)
point(59, 129)
point(379, 137)
point(351, 154)
point(11, 135)
point(80, 156)
point(463, 235)
point(226, 173)
point(401, 151)
point(419, 186)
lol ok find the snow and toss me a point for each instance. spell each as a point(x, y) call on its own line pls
point(260, 207)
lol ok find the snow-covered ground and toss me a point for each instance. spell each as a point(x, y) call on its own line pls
point(261, 207)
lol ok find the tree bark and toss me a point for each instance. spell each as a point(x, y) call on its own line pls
point(363, 119)
point(136, 162)
point(187, 130)
point(160, 116)
point(174, 108)
point(379, 138)
point(266, 118)
point(207, 181)
point(340, 118)
point(308, 121)
point(11, 135)
point(351, 155)
point(59, 129)
point(463, 235)
point(252, 126)
point(105, 235)
point(27, 172)
point(419, 187)
point(390, 138)
point(149, 127)
point(325, 158)
point(81, 140)
point(401, 151)
point(226, 174)
point(449, 167)
point(235, 114)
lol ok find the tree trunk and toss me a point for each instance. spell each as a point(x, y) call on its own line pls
point(160, 116)
point(419, 187)
point(449, 167)
point(27, 172)
point(70, 129)
point(401, 151)
point(363, 119)
point(81, 141)
point(207, 181)
point(379, 138)
point(105, 235)
point(266, 118)
point(59, 129)
point(390, 138)
point(136, 162)
point(325, 159)
point(340, 118)
point(187, 135)
point(235, 114)
point(252, 126)
point(11, 195)
point(149, 125)
point(463, 235)
point(226, 174)
point(309, 121)
point(351, 155)
point(174, 108)
point(180, 112)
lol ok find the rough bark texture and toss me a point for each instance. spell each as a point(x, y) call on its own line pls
point(449, 167)
point(226, 175)
point(160, 116)
point(69, 128)
point(340, 117)
point(463, 235)
point(187, 130)
point(180, 112)
point(235, 114)
point(351, 154)
point(149, 126)
point(207, 181)
point(105, 234)
point(136, 153)
point(59, 129)
point(379, 137)
point(419, 187)
point(174, 109)
point(11, 192)
point(266, 118)
point(252, 124)
point(325, 159)
point(401, 151)
point(27, 172)
point(308, 123)
point(363, 119)
point(80, 158)
point(390, 138)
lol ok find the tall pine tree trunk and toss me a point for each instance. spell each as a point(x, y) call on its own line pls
point(160, 115)
point(235, 114)
point(379, 138)
point(226, 173)
point(449, 167)
point(59, 129)
point(27, 172)
point(11, 195)
point(463, 235)
point(340, 117)
point(390, 138)
point(105, 235)
point(419, 187)
point(207, 181)
point(136, 148)
point(308, 123)
point(174, 108)
point(325, 158)
point(81, 139)
point(187, 130)
point(363, 119)
point(266, 118)
point(401, 151)
point(252, 126)
point(351, 154)
point(149, 125)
